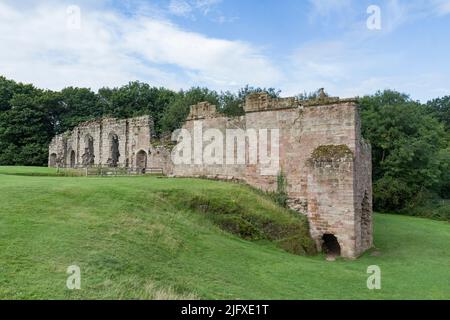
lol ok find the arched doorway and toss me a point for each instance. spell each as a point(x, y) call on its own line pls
point(331, 245)
point(88, 156)
point(141, 161)
point(72, 159)
point(53, 160)
point(114, 153)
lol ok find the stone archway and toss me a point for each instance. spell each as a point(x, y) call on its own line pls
point(72, 159)
point(114, 153)
point(53, 160)
point(141, 161)
point(88, 156)
point(330, 245)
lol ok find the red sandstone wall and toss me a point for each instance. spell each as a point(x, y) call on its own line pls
point(330, 193)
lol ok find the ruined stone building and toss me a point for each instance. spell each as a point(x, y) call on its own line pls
point(107, 142)
point(326, 162)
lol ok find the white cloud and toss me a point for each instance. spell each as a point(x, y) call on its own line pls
point(188, 8)
point(180, 8)
point(443, 7)
point(111, 49)
point(206, 5)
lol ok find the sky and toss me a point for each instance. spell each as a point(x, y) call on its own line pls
point(349, 47)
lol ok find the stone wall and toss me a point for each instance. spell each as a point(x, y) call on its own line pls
point(333, 190)
point(320, 151)
point(132, 136)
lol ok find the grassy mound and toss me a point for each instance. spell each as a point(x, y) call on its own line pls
point(150, 238)
point(250, 216)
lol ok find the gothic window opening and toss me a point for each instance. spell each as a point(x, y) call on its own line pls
point(114, 156)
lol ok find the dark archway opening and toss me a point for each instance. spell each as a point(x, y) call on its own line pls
point(141, 161)
point(88, 156)
point(331, 245)
point(113, 160)
point(72, 159)
point(53, 160)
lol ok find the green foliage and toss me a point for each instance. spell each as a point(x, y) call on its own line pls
point(440, 107)
point(232, 104)
point(408, 149)
point(281, 195)
point(26, 128)
point(178, 109)
point(431, 208)
point(310, 95)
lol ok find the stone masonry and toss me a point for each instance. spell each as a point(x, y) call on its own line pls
point(326, 162)
point(106, 142)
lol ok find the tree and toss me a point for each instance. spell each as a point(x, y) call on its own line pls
point(77, 105)
point(7, 90)
point(178, 109)
point(232, 104)
point(440, 107)
point(26, 129)
point(406, 141)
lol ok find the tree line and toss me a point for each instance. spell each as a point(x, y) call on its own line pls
point(410, 140)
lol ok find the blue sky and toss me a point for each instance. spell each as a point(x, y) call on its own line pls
point(292, 45)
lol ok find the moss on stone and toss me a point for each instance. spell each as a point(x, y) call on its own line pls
point(331, 152)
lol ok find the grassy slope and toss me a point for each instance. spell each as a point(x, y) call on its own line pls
point(132, 242)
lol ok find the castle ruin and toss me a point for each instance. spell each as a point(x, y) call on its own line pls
point(326, 162)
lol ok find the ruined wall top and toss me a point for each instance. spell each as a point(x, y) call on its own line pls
point(202, 110)
point(263, 101)
point(256, 102)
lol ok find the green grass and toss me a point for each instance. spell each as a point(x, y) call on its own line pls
point(39, 171)
point(153, 238)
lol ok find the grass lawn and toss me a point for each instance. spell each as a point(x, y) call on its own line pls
point(135, 238)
